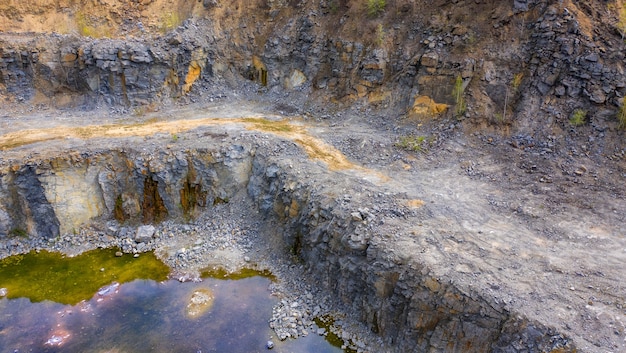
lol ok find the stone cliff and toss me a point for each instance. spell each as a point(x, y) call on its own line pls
point(516, 60)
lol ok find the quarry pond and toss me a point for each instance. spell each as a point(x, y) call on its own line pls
point(44, 308)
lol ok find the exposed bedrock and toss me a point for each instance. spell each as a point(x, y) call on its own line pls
point(344, 233)
point(516, 59)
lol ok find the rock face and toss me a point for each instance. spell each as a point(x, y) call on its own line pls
point(126, 186)
point(26, 205)
point(531, 61)
point(111, 72)
point(552, 60)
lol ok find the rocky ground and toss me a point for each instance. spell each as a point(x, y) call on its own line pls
point(538, 231)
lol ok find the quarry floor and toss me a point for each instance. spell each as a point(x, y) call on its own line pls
point(542, 233)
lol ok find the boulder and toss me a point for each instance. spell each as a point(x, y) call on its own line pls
point(144, 234)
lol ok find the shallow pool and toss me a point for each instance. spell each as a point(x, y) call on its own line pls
point(214, 315)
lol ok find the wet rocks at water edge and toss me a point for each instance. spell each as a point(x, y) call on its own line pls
point(290, 320)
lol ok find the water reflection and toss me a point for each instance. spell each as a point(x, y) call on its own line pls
point(150, 316)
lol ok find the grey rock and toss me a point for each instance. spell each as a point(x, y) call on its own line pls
point(5, 223)
point(593, 57)
point(520, 5)
point(144, 233)
point(597, 95)
point(42, 214)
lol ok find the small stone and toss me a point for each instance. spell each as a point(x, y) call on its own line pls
point(102, 269)
point(246, 258)
point(118, 254)
point(430, 59)
point(581, 170)
point(3, 292)
point(269, 344)
point(136, 255)
point(321, 331)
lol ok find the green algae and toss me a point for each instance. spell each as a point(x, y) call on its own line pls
point(63, 279)
point(327, 322)
point(220, 273)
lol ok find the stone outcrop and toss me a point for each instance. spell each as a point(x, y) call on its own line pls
point(531, 57)
point(99, 71)
point(63, 194)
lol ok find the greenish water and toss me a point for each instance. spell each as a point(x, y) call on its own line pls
point(68, 280)
point(326, 322)
point(220, 273)
point(141, 315)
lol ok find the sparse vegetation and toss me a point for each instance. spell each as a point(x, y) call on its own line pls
point(621, 24)
point(578, 117)
point(621, 116)
point(174, 137)
point(375, 7)
point(471, 38)
point(499, 118)
point(169, 21)
point(380, 34)
point(517, 81)
point(87, 28)
point(139, 111)
point(460, 106)
point(18, 232)
point(411, 143)
point(334, 6)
